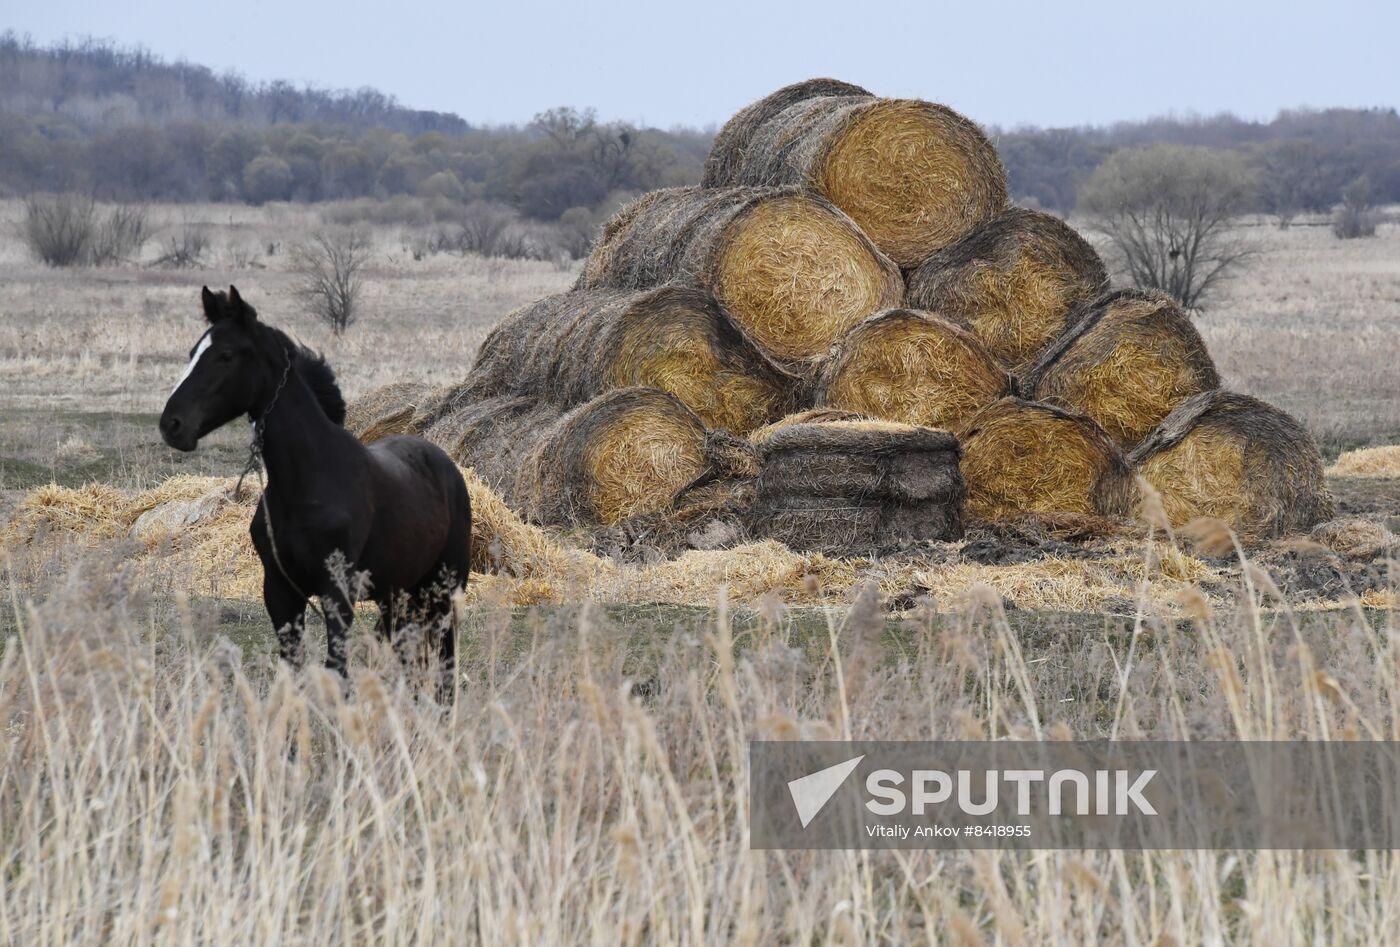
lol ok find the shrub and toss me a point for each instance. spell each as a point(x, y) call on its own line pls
point(57, 229)
point(185, 248)
point(68, 230)
point(120, 235)
point(329, 266)
point(1355, 217)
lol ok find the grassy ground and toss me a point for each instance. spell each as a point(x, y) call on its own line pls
point(158, 785)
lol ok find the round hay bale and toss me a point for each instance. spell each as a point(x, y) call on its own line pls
point(792, 270)
point(1238, 460)
point(572, 347)
point(846, 487)
point(913, 367)
point(1026, 457)
point(1128, 361)
point(1014, 281)
point(626, 453)
point(388, 409)
point(914, 175)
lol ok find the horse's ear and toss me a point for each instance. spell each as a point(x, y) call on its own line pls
point(212, 310)
point(238, 308)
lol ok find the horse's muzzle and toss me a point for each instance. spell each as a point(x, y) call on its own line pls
point(178, 433)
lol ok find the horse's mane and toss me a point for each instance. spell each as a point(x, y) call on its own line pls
point(312, 368)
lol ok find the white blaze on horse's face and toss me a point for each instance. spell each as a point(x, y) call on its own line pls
point(199, 350)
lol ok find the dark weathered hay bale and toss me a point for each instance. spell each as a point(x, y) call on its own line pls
point(848, 487)
point(1129, 360)
point(914, 175)
point(492, 436)
point(1013, 280)
point(725, 165)
point(388, 409)
point(1025, 457)
point(1238, 460)
point(626, 453)
point(910, 366)
point(809, 416)
point(570, 348)
point(791, 269)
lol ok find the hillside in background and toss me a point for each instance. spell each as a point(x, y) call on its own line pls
point(126, 125)
point(96, 84)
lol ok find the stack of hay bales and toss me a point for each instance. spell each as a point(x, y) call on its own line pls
point(842, 486)
point(856, 257)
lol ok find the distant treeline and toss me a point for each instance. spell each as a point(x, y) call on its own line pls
point(123, 124)
point(1303, 158)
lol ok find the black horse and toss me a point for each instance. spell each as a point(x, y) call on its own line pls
point(396, 510)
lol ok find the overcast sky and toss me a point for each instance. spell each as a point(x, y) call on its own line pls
point(666, 63)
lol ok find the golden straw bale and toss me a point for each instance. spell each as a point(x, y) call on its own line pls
point(1025, 457)
point(790, 268)
point(1132, 357)
point(1356, 538)
point(1238, 460)
point(572, 347)
point(914, 176)
point(1378, 463)
point(913, 367)
point(1014, 281)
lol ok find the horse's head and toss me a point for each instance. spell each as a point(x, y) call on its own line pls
point(233, 370)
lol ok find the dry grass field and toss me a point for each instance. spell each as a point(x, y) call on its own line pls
point(163, 781)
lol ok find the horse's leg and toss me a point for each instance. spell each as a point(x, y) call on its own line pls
point(446, 622)
point(340, 614)
point(287, 609)
point(452, 574)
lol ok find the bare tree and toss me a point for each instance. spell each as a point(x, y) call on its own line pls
point(1168, 210)
point(329, 265)
point(1289, 177)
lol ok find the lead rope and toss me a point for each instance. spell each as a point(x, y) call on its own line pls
point(255, 465)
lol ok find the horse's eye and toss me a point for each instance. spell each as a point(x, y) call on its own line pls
point(225, 356)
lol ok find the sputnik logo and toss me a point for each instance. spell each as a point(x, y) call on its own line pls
point(812, 792)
